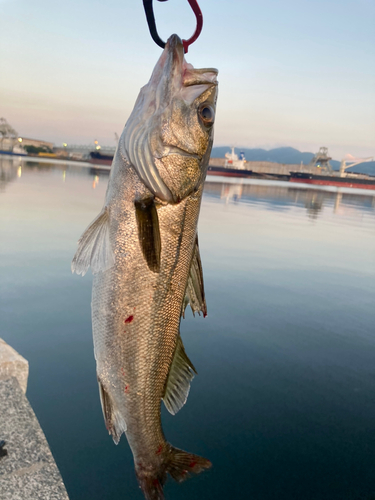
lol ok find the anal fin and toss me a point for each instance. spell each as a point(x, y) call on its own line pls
point(94, 247)
point(181, 373)
point(149, 232)
point(114, 421)
point(194, 294)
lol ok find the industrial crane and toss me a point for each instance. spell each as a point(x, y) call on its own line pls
point(347, 163)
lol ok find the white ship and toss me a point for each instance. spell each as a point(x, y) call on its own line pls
point(234, 161)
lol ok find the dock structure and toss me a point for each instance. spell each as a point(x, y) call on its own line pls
point(268, 167)
point(27, 468)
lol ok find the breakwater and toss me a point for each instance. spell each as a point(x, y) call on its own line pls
point(27, 467)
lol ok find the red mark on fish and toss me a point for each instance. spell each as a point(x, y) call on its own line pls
point(159, 450)
point(129, 319)
point(192, 464)
point(126, 390)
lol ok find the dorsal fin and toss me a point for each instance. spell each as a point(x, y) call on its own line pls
point(149, 232)
point(180, 375)
point(94, 247)
point(194, 294)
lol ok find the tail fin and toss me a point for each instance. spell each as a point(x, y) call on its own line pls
point(178, 463)
point(182, 465)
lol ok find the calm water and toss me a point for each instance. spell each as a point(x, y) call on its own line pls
point(284, 403)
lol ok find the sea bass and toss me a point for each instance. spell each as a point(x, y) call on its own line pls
point(143, 251)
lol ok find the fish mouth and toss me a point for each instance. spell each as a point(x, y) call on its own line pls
point(173, 72)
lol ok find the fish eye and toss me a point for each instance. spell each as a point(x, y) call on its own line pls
point(206, 114)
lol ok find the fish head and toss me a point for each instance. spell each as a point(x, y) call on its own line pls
point(168, 137)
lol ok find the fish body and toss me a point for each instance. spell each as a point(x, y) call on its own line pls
point(143, 251)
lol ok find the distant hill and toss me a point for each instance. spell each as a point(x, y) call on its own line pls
point(289, 156)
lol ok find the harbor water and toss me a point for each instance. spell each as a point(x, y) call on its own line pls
point(284, 400)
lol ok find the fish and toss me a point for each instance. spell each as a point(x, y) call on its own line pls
point(144, 255)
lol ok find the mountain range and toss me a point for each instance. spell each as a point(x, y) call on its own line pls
point(288, 156)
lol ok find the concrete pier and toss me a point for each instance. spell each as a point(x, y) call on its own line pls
point(14, 365)
point(28, 471)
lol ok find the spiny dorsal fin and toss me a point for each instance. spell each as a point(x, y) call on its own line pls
point(114, 421)
point(180, 375)
point(94, 247)
point(194, 294)
point(149, 233)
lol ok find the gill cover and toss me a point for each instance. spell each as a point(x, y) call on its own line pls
point(168, 119)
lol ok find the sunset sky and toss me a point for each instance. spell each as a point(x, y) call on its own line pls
point(291, 73)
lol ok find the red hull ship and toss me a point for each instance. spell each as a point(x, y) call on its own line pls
point(332, 180)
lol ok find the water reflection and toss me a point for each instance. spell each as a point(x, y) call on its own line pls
point(275, 195)
point(314, 203)
point(285, 356)
point(282, 195)
point(231, 192)
point(10, 169)
point(14, 167)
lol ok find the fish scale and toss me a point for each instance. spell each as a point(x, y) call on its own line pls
point(144, 254)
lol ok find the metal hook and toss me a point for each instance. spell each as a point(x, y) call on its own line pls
point(147, 4)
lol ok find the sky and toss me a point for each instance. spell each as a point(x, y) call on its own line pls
point(291, 73)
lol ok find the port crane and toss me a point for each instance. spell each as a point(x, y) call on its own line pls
point(351, 162)
point(321, 160)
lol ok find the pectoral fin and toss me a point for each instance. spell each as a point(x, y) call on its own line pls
point(194, 294)
point(180, 375)
point(94, 247)
point(149, 233)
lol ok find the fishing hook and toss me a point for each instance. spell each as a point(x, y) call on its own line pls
point(147, 4)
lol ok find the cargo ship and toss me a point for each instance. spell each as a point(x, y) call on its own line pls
point(98, 158)
point(229, 172)
point(234, 166)
point(360, 182)
point(329, 178)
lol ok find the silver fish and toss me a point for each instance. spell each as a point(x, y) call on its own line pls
point(143, 251)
